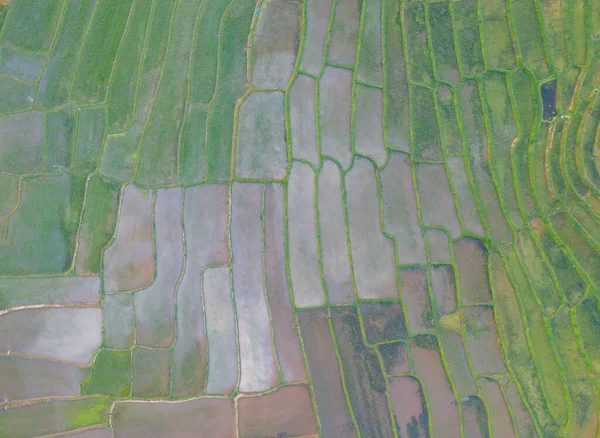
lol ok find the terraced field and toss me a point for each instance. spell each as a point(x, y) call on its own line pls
point(300, 218)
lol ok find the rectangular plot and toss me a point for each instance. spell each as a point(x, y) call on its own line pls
point(55, 416)
point(65, 334)
point(285, 334)
point(538, 272)
point(111, 374)
point(99, 52)
point(260, 144)
point(394, 356)
point(457, 363)
point(32, 24)
point(23, 66)
point(483, 342)
point(275, 44)
point(496, 34)
point(192, 147)
point(303, 121)
point(439, 247)
point(24, 378)
point(153, 60)
point(585, 254)
point(465, 22)
point(305, 270)
point(231, 84)
point(556, 181)
point(51, 290)
point(16, 96)
point(344, 32)
point(502, 134)
point(588, 221)
point(475, 417)
point(117, 314)
point(425, 134)
point(203, 72)
point(383, 321)
point(569, 280)
point(415, 297)
point(332, 232)
point(198, 417)
point(155, 305)
point(450, 135)
point(372, 252)
point(369, 58)
point(120, 154)
point(90, 137)
point(587, 316)
point(541, 185)
point(205, 221)
point(443, 287)
point(332, 408)
point(499, 416)
point(442, 41)
point(464, 194)
point(129, 260)
point(220, 331)
point(257, 359)
point(409, 407)
point(524, 93)
point(523, 423)
point(477, 151)
point(419, 58)
point(364, 378)
point(160, 143)
point(287, 411)
point(400, 210)
point(368, 123)
point(512, 330)
point(60, 132)
point(55, 85)
point(335, 104)
point(576, 30)
point(445, 420)
point(585, 405)
point(540, 344)
point(317, 22)
point(527, 31)
point(97, 224)
point(554, 26)
point(436, 198)
point(45, 202)
point(123, 88)
point(22, 143)
point(150, 372)
point(397, 117)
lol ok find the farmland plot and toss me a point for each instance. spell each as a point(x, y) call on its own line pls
point(335, 218)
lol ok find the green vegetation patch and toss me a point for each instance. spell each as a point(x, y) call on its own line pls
point(56, 416)
point(99, 51)
point(111, 374)
point(22, 143)
point(425, 133)
point(32, 24)
point(419, 58)
point(230, 86)
point(442, 40)
point(97, 223)
point(41, 233)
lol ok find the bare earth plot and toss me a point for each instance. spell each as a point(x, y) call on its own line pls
point(300, 218)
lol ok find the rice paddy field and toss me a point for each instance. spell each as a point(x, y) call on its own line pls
point(300, 218)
